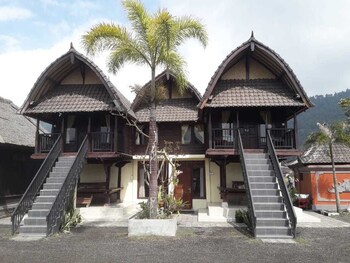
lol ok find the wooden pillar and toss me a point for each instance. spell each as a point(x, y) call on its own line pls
point(107, 168)
point(62, 133)
point(89, 134)
point(119, 182)
point(37, 136)
point(115, 147)
point(210, 131)
point(295, 131)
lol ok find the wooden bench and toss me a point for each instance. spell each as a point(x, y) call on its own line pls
point(86, 191)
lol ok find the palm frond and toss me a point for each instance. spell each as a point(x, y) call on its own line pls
point(104, 36)
point(188, 27)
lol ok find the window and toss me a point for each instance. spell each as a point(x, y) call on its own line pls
point(192, 134)
point(140, 138)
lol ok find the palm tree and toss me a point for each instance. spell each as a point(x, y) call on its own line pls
point(153, 41)
point(328, 135)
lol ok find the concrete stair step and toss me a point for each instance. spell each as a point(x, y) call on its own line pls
point(49, 192)
point(34, 230)
point(45, 199)
point(215, 210)
point(270, 214)
point(275, 222)
point(203, 216)
point(258, 167)
point(263, 185)
point(35, 221)
point(273, 232)
point(52, 186)
point(268, 206)
point(260, 173)
point(41, 205)
point(257, 161)
point(38, 212)
point(60, 170)
point(256, 155)
point(267, 199)
point(268, 192)
point(262, 179)
point(54, 180)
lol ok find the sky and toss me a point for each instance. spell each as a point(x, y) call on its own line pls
point(312, 36)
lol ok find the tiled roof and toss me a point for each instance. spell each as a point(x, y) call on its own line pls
point(264, 54)
point(172, 110)
point(319, 154)
point(248, 93)
point(58, 69)
point(74, 98)
point(15, 128)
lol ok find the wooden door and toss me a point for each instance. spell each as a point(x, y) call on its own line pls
point(185, 179)
point(249, 133)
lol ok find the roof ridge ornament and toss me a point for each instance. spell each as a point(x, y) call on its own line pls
point(71, 46)
point(252, 35)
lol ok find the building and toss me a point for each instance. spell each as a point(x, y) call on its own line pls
point(230, 139)
point(313, 171)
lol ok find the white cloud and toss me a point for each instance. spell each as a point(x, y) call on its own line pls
point(8, 43)
point(8, 13)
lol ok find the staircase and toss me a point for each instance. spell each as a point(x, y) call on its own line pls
point(35, 224)
point(270, 210)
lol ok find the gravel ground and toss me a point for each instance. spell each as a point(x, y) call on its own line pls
point(106, 244)
point(343, 217)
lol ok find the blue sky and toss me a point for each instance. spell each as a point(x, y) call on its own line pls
point(312, 36)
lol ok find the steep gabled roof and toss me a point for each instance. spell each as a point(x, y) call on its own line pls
point(169, 110)
point(267, 57)
point(15, 129)
point(319, 154)
point(60, 68)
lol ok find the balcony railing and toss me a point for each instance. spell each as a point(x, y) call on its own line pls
point(223, 138)
point(98, 142)
point(102, 141)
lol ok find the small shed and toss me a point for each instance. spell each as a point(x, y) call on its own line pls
point(17, 135)
point(313, 171)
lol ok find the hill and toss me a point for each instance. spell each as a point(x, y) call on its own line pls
point(326, 110)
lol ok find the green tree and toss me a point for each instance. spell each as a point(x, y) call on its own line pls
point(152, 40)
point(328, 135)
point(345, 105)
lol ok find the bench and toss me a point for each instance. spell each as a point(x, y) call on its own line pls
point(86, 192)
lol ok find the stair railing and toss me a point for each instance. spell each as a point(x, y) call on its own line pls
point(251, 209)
point(28, 197)
point(284, 190)
point(60, 205)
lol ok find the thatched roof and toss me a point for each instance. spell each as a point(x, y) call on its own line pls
point(15, 129)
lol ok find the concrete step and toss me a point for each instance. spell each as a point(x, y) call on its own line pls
point(60, 170)
point(215, 210)
point(276, 222)
point(267, 199)
point(54, 180)
point(257, 161)
point(53, 186)
point(268, 206)
point(260, 173)
point(38, 212)
point(45, 199)
point(270, 214)
point(66, 159)
point(264, 185)
point(63, 164)
point(203, 216)
point(49, 192)
point(256, 156)
point(41, 205)
point(259, 167)
point(35, 230)
point(273, 232)
point(262, 179)
point(35, 221)
point(269, 192)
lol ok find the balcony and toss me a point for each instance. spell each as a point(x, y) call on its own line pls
point(99, 142)
point(225, 138)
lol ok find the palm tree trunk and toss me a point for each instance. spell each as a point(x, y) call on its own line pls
point(335, 182)
point(153, 145)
